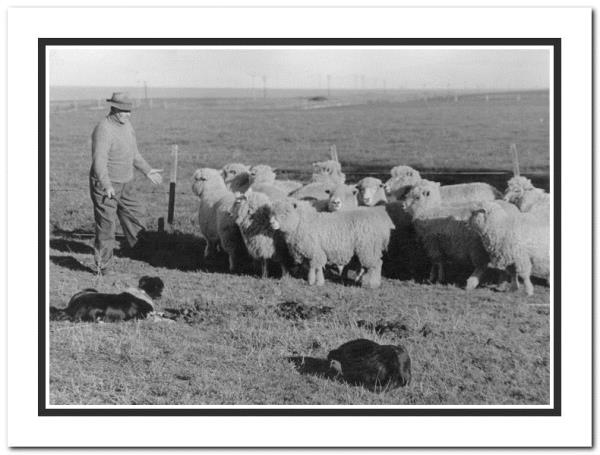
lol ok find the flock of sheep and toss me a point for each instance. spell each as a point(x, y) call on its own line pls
point(248, 212)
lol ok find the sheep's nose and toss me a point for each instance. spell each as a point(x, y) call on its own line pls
point(335, 204)
point(274, 223)
point(367, 200)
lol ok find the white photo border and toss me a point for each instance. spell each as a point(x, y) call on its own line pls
point(572, 428)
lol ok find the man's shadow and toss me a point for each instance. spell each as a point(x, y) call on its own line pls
point(71, 263)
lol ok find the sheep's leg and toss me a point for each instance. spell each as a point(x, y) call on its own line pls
point(231, 263)
point(312, 275)
point(514, 282)
point(361, 272)
point(264, 267)
point(475, 277)
point(441, 272)
point(320, 278)
point(372, 278)
point(524, 272)
point(284, 270)
point(433, 272)
point(527, 284)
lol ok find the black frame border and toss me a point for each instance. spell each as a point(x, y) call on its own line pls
point(43, 411)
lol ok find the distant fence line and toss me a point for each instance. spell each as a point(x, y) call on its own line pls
point(540, 179)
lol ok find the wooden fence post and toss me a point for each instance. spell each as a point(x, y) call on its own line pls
point(172, 184)
point(515, 160)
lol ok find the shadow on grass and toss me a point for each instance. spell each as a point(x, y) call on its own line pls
point(70, 263)
point(175, 250)
point(70, 246)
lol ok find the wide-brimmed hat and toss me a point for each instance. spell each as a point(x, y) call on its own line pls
point(121, 100)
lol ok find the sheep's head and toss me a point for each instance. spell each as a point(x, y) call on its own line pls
point(285, 215)
point(262, 173)
point(370, 191)
point(328, 170)
point(517, 186)
point(206, 177)
point(425, 195)
point(402, 179)
point(481, 216)
point(235, 175)
point(342, 197)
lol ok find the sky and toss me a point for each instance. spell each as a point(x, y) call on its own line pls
point(301, 67)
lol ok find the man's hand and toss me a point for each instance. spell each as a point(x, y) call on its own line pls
point(154, 176)
point(110, 193)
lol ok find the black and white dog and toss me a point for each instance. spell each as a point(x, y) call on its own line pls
point(91, 305)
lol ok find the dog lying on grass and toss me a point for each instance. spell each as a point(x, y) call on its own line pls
point(375, 366)
point(90, 305)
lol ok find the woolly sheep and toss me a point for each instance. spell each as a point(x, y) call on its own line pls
point(371, 192)
point(445, 232)
point(404, 178)
point(264, 174)
point(236, 177)
point(526, 197)
point(214, 220)
point(515, 241)
point(252, 212)
point(322, 238)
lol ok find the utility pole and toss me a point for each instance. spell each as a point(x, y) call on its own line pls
point(264, 79)
point(328, 85)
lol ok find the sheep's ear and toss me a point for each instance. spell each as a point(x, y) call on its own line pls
point(273, 169)
point(328, 191)
point(382, 185)
point(426, 193)
point(355, 190)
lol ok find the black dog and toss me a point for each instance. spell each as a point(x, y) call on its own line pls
point(364, 362)
point(91, 305)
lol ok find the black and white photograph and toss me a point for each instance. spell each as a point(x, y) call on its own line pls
point(301, 225)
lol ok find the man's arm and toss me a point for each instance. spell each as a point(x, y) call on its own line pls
point(100, 148)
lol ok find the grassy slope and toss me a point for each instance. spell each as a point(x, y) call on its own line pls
point(484, 347)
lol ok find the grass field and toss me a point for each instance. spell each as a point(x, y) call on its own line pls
point(230, 347)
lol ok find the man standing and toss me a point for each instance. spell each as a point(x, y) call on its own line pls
point(114, 155)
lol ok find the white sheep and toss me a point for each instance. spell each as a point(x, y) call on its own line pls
point(371, 192)
point(404, 178)
point(521, 192)
point(236, 177)
point(215, 222)
point(252, 212)
point(518, 242)
point(445, 232)
point(265, 175)
point(320, 238)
